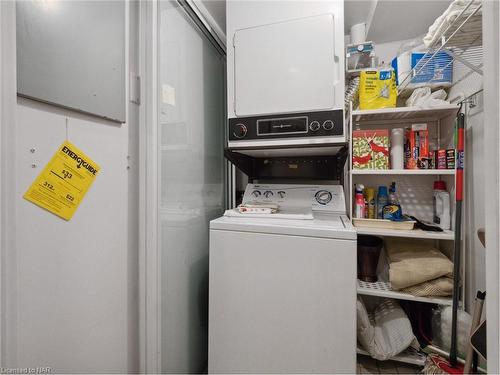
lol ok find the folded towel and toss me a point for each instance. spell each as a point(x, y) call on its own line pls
point(448, 17)
point(440, 287)
point(414, 262)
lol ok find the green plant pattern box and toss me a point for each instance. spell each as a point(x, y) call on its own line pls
point(370, 149)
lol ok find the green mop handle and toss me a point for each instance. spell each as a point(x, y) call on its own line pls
point(459, 189)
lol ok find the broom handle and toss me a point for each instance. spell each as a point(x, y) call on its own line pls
point(458, 234)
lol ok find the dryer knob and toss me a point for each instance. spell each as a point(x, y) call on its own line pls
point(328, 125)
point(314, 126)
point(323, 197)
point(240, 131)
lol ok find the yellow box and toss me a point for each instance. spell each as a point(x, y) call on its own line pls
point(377, 89)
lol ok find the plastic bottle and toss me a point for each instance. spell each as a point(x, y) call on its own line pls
point(442, 215)
point(359, 202)
point(392, 211)
point(372, 207)
point(382, 199)
point(393, 197)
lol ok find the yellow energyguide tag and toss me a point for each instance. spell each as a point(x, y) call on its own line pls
point(64, 181)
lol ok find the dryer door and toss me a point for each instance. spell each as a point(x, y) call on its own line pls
point(290, 66)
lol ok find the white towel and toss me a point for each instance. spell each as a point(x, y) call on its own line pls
point(258, 208)
point(447, 18)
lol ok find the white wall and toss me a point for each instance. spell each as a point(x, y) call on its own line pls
point(73, 306)
point(7, 116)
point(475, 159)
point(491, 30)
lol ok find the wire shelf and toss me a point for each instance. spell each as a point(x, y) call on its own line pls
point(383, 289)
point(461, 41)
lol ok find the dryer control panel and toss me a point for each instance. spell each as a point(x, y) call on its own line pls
point(280, 127)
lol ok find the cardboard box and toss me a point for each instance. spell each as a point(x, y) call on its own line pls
point(417, 147)
point(370, 149)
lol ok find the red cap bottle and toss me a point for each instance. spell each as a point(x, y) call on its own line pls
point(439, 185)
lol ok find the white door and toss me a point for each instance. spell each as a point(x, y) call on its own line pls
point(288, 66)
point(191, 123)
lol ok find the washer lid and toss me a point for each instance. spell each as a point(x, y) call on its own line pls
point(323, 226)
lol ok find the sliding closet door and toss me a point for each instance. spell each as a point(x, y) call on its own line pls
point(191, 120)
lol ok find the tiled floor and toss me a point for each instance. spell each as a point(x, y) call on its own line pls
point(367, 365)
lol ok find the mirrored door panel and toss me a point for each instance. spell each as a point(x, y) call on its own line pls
point(191, 118)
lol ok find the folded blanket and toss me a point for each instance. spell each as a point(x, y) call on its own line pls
point(448, 17)
point(414, 262)
point(440, 287)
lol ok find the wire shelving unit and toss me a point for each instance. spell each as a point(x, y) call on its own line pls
point(461, 40)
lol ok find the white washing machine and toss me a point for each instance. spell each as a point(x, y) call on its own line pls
point(282, 289)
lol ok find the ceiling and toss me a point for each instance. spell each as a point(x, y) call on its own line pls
point(390, 20)
point(356, 11)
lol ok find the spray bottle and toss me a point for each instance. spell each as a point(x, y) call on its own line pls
point(392, 211)
point(359, 202)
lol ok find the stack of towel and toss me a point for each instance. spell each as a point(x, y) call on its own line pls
point(448, 17)
point(418, 268)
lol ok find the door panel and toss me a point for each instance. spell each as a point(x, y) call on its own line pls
point(191, 122)
point(281, 304)
point(273, 65)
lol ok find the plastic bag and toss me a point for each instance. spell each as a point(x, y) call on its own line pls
point(424, 98)
point(441, 329)
point(377, 89)
point(386, 331)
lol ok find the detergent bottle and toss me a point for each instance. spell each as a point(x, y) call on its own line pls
point(392, 210)
point(441, 199)
point(359, 202)
point(381, 201)
point(371, 205)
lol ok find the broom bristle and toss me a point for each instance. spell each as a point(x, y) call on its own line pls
point(435, 364)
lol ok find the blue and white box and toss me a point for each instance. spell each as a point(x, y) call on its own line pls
point(437, 72)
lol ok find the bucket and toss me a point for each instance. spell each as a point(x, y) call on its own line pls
point(369, 248)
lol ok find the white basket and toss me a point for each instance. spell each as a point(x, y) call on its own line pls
point(383, 224)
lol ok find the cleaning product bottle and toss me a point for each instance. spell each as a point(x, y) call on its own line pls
point(359, 202)
point(381, 201)
point(370, 198)
point(441, 205)
point(392, 210)
point(393, 197)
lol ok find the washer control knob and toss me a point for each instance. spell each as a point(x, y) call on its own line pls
point(268, 194)
point(256, 193)
point(281, 193)
point(240, 130)
point(314, 126)
point(328, 125)
point(323, 197)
